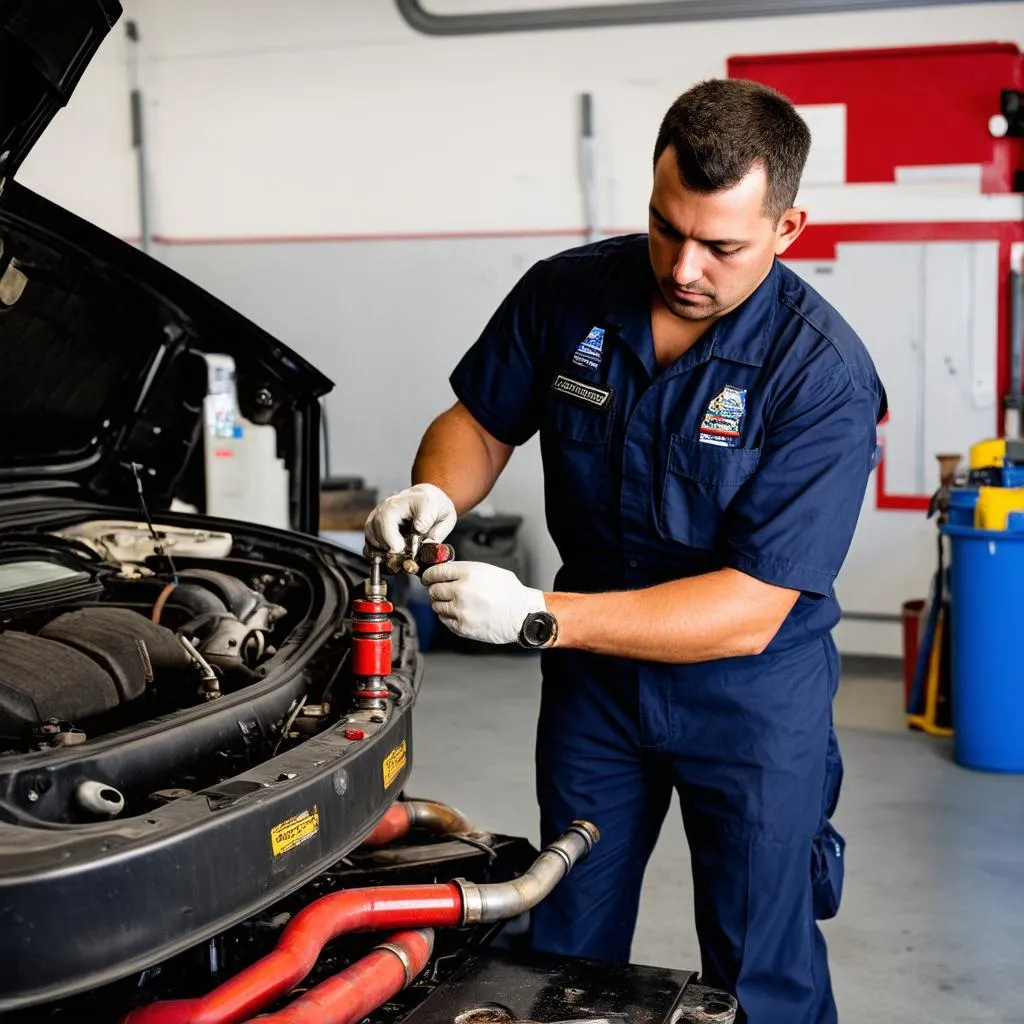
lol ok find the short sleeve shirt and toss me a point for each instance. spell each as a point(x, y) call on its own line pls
point(751, 451)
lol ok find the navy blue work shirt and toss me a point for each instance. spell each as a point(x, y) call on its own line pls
point(752, 450)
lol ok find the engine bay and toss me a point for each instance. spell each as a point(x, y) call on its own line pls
point(109, 625)
point(174, 694)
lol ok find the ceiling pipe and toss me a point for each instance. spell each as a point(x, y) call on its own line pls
point(643, 13)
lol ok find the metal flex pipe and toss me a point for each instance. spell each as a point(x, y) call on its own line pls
point(502, 900)
point(424, 815)
point(358, 990)
point(382, 908)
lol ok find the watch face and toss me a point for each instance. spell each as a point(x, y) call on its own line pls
point(538, 628)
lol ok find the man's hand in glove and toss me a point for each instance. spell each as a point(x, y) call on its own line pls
point(423, 509)
point(481, 602)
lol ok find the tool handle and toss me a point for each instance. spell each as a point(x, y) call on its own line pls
point(431, 554)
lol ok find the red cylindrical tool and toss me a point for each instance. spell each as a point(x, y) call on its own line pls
point(371, 637)
point(371, 642)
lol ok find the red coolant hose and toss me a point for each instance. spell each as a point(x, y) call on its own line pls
point(395, 824)
point(397, 906)
point(358, 990)
point(424, 815)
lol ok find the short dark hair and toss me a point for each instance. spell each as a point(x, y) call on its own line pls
point(722, 128)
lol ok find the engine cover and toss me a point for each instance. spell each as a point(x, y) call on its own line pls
point(42, 679)
point(130, 648)
point(82, 664)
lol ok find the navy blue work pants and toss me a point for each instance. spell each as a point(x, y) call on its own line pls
point(748, 745)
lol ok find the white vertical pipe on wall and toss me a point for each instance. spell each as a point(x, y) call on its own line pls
point(588, 167)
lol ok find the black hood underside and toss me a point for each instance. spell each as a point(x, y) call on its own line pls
point(103, 354)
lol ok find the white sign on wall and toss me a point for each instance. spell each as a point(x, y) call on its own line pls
point(826, 163)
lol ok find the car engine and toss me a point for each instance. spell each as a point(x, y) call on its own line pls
point(108, 625)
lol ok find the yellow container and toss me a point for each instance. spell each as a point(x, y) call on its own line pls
point(994, 506)
point(990, 454)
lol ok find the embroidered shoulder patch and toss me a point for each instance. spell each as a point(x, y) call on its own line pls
point(724, 415)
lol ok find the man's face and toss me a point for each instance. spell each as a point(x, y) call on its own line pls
point(709, 252)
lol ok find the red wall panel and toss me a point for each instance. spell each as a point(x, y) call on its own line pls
point(907, 107)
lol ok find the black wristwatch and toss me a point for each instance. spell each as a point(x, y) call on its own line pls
point(539, 629)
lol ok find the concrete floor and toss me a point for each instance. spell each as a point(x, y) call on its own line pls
point(932, 923)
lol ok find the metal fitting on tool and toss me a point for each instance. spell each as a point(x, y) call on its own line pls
point(418, 556)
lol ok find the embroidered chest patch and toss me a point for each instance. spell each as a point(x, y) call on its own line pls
point(589, 351)
point(586, 394)
point(724, 415)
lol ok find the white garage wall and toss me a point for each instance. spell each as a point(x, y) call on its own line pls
point(323, 117)
point(311, 133)
point(84, 160)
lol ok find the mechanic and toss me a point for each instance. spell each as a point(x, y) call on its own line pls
point(707, 426)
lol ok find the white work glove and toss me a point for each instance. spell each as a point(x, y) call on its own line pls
point(423, 509)
point(481, 602)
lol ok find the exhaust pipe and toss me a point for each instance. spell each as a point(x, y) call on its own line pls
point(385, 907)
point(499, 901)
point(437, 819)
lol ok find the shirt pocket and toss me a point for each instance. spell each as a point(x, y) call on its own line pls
point(701, 481)
point(577, 421)
point(574, 445)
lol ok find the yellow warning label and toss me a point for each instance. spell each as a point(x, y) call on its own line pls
point(393, 764)
point(291, 833)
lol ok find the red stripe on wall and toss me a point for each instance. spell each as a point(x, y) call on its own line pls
point(382, 236)
point(818, 242)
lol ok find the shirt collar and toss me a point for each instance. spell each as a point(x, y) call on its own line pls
point(741, 336)
point(627, 303)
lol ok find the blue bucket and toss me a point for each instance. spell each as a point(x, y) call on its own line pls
point(1013, 476)
point(986, 581)
point(962, 501)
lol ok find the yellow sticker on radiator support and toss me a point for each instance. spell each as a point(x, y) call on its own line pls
point(393, 764)
point(295, 830)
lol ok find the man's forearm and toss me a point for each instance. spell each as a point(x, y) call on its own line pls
point(718, 615)
point(458, 456)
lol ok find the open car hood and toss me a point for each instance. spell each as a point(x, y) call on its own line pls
point(44, 48)
point(104, 349)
